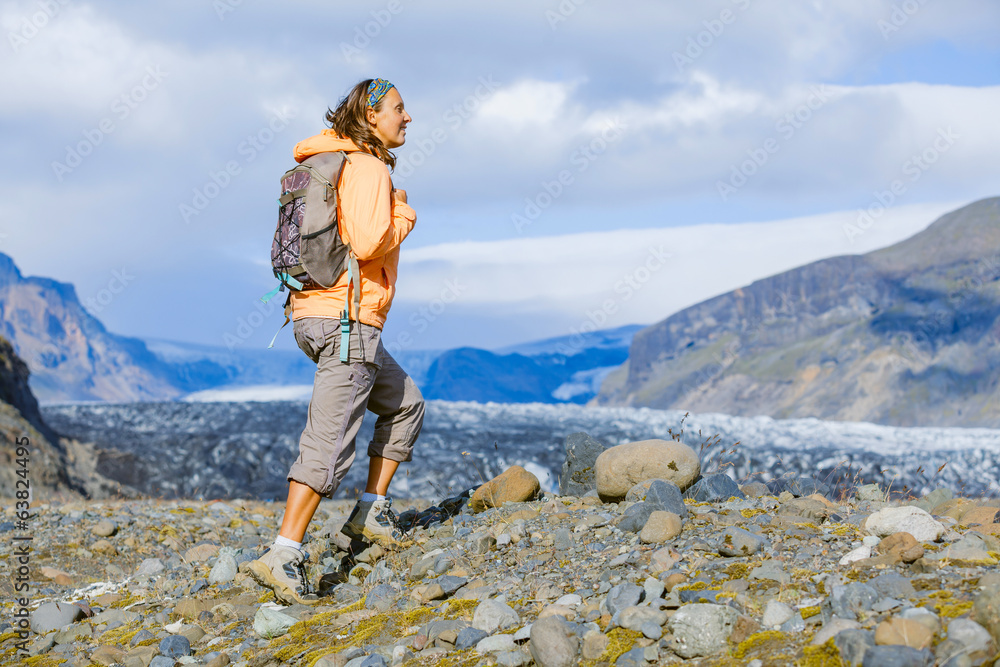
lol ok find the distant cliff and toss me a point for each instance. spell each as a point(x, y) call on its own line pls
point(71, 355)
point(907, 335)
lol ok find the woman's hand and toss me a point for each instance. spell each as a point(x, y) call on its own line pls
point(399, 196)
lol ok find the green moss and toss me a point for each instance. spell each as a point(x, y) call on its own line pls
point(120, 636)
point(809, 612)
point(769, 640)
point(825, 655)
point(953, 610)
point(621, 642)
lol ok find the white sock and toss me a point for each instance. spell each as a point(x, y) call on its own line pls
point(371, 497)
point(280, 541)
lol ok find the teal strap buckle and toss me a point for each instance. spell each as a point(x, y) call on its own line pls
point(270, 295)
point(345, 336)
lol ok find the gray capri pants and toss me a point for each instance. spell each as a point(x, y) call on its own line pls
point(342, 392)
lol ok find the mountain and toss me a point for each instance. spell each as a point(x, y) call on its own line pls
point(907, 335)
point(71, 355)
point(556, 370)
point(31, 452)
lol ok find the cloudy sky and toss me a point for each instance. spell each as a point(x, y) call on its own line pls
point(573, 163)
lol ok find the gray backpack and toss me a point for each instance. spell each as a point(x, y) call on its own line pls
point(307, 251)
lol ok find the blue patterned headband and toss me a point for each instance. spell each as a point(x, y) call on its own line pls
point(377, 89)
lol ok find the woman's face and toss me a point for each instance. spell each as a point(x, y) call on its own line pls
point(389, 123)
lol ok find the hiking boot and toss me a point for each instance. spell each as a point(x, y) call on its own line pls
point(374, 521)
point(283, 570)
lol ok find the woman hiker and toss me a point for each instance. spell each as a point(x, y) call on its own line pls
point(374, 220)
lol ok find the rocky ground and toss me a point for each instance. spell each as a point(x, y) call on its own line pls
point(625, 571)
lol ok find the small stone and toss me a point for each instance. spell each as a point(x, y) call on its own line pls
point(150, 567)
point(903, 631)
point(58, 576)
point(897, 656)
point(933, 499)
point(496, 644)
point(493, 615)
point(770, 571)
point(175, 646)
point(594, 645)
point(855, 555)
point(740, 542)
point(981, 516)
point(869, 492)
point(469, 637)
point(553, 643)
point(107, 655)
point(104, 528)
point(663, 559)
point(633, 618)
point(577, 477)
point(382, 596)
point(190, 608)
point(666, 496)
point(776, 613)
point(634, 657)
point(620, 468)
point(890, 584)
point(913, 520)
point(635, 517)
point(712, 488)
point(224, 570)
point(516, 658)
point(701, 629)
point(141, 636)
point(512, 485)
point(832, 628)
point(104, 547)
point(853, 644)
point(661, 527)
point(622, 596)
point(967, 636)
point(270, 623)
point(54, 615)
point(201, 553)
point(986, 608)
point(847, 601)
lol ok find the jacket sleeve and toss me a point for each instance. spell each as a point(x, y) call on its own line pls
point(373, 223)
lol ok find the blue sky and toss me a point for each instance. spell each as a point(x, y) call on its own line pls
point(732, 138)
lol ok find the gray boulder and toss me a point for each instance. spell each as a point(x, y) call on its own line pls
point(553, 642)
point(577, 477)
point(714, 487)
point(53, 615)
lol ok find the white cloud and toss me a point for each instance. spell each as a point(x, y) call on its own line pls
point(574, 273)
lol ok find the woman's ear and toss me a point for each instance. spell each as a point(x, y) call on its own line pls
point(370, 115)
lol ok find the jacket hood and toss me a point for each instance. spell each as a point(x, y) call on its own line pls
point(325, 141)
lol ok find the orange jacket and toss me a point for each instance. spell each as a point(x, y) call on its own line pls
point(372, 222)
